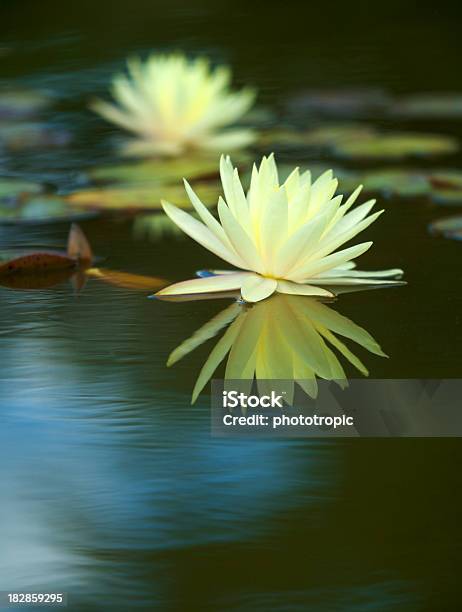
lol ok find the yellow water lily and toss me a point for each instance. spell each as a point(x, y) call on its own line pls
point(283, 238)
point(285, 338)
point(174, 104)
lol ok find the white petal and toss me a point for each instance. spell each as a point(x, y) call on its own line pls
point(201, 234)
point(314, 268)
point(299, 289)
point(210, 284)
point(206, 216)
point(256, 288)
point(302, 241)
point(273, 226)
point(328, 244)
point(359, 273)
point(239, 238)
point(346, 280)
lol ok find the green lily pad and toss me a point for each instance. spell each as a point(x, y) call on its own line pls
point(157, 172)
point(131, 198)
point(396, 181)
point(322, 137)
point(25, 136)
point(12, 188)
point(446, 187)
point(396, 146)
point(446, 179)
point(42, 209)
point(449, 227)
point(359, 102)
point(155, 227)
point(22, 103)
point(430, 106)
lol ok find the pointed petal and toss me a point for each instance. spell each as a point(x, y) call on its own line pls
point(273, 226)
point(314, 268)
point(201, 234)
point(211, 284)
point(300, 241)
point(369, 274)
point(206, 216)
point(299, 289)
point(239, 238)
point(346, 280)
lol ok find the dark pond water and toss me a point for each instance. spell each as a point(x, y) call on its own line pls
point(111, 487)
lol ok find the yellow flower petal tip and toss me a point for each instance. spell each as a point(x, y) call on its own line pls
point(174, 104)
point(283, 238)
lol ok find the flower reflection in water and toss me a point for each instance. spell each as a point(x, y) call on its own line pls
point(286, 337)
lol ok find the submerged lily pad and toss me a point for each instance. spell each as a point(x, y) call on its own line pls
point(449, 227)
point(22, 103)
point(396, 146)
point(132, 198)
point(157, 171)
point(430, 106)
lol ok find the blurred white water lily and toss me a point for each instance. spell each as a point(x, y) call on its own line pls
point(286, 338)
point(284, 238)
point(174, 105)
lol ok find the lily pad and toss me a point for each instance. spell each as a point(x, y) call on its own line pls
point(40, 261)
point(132, 198)
point(447, 187)
point(430, 106)
point(155, 227)
point(322, 137)
point(359, 102)
point(396, 181)
point(42, 209)
point(157, 171)
point(12, 188)
point(396, 146)
point(31, 281)
point(22, 103)
point(449, 227)
point(26, 136)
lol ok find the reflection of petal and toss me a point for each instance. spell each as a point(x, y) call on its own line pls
point(284, 338)
point(204, 333)
point(217, 355)
point(339, 324)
